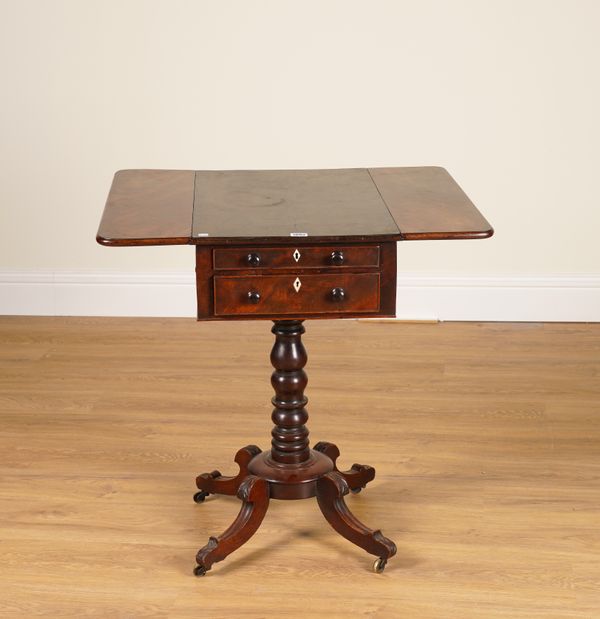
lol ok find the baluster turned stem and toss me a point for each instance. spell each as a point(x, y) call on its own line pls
point(288, 357)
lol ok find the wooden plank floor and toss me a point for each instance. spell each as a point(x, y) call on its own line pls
point(485, 437)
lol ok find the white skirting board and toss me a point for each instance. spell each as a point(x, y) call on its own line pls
point(566, 298)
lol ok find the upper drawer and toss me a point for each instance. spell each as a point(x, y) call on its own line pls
point(319, 256)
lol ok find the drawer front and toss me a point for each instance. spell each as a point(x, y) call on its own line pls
point(296, 257)
point(279, 295)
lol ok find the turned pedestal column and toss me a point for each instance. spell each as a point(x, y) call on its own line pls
point(291, 467)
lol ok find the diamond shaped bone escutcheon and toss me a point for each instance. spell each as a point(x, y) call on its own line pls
point(296, 255)
point(297, 283)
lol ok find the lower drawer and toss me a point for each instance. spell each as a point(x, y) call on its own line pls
point(280, 295)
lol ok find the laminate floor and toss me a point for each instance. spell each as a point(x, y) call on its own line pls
point(485, 438)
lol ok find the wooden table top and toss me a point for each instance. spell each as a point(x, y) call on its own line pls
point(176, 207)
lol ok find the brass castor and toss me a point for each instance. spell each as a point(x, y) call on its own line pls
point(200, 496)
point(379, 565)
point(200, 570)
point(356, 490)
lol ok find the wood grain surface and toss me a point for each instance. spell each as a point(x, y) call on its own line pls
point(428, 204)
point(295, 207)
point(280, 204)
point(148, 207)
point(485, 437)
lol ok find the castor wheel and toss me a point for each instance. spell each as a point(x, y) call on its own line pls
point(200, 496)
point(200, 570)
point(379, 565)
point(356, 490)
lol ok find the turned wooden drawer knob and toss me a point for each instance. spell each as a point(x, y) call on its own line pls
point(337, 258)
point(254, 297)
point(338, 294)
point(253, 259)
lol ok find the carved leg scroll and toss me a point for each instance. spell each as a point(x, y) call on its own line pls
point(254, 492)
point(357, 477)
point(331, 489)
point(215, 483)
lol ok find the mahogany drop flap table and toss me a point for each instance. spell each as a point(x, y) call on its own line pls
point(286, 246)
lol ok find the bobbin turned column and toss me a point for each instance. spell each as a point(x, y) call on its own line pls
point(288, 357)
point(291, 467)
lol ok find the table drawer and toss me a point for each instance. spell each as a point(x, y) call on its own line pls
point(280, 295)
point(296, 257)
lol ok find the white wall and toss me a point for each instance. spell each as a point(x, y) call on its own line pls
point(503, 93)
